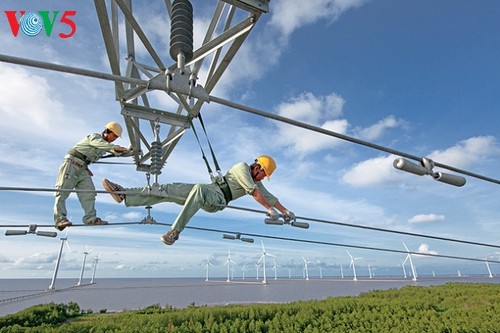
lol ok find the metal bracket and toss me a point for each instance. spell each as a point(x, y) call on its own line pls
point(260, 5)
point(31, 230)
point(181, 82)
point(132, 110)
point(237, 236)
point(148, 219)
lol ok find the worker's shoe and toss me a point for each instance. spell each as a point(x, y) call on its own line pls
point(170, 237)
point(61, 225)
point(111, 188)
point(96, 221)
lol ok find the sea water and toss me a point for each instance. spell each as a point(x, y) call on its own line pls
point(115, 295)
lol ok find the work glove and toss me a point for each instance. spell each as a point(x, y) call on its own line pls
point(289, 216)
point(273, 214)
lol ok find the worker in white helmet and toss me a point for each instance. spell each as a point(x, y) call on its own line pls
point(241, 179)
point(75, 174)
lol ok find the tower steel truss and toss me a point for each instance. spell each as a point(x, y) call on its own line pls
point(177, 77)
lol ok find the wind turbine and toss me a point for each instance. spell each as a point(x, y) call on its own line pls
point(413, 270)
point(257, 265)
point(320, 272)
point(341, 271)
point(207, 268)
point(489, 270)
point(56, 269)
point(229, 262)
point(263, 259)
point(243, 270)
point(96, 260)
point(351, 264)
point(370, 271)
point(305, 268)
point(85, 253)
point(275, 269)
point(403, 265)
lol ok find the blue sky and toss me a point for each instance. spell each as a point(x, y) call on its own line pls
point(418, 77)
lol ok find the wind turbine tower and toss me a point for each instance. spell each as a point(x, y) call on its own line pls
point(306, 270)
point(243, 270)
point(404, 269)
point(257, 266)
point(64, 240)
point(96, 260)
point(87, 251)
point(413, 270)
point(351, 264)
point(489, 270)
point(263, 259)
point(229, 262)
point(275, 268)
point(207, 268)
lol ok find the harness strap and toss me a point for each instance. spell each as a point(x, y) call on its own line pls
point(224, 187)
point(216, 164)
point(79, 155)
point(219, 180)
point(201, 148)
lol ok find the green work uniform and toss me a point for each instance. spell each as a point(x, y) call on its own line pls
point(74, 174)
point(208, 197)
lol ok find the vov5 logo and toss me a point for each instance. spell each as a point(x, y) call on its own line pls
point(32, 23)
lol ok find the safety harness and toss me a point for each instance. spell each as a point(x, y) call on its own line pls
point(77, 154)
point(220, 180)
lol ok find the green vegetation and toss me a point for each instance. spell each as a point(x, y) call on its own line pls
point(454, 307)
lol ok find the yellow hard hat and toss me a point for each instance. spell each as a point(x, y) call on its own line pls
point(267, 163)
point(115, 128)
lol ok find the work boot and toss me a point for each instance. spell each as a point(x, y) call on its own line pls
point(61, 225)
point(170, 237)
point(111, 187)
point(96, 221)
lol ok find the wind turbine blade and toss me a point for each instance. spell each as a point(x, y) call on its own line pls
point(406, 247)
point(260, 260)
point(349, 254)
point(67, 245)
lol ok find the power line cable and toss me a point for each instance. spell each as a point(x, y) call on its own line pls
point(298, 240)
point(309, 219)
point(342, 136)
point(215, 99)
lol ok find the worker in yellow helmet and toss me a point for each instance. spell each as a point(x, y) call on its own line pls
point(75, 174)
point(241, 179)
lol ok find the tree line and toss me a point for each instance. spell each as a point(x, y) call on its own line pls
point(449, 308)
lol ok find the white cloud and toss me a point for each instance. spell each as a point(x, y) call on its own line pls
point(35, 259)
point(377, 130)
point(424, 248)
point(292, 14)
point(315, 110)
point(371, 172)
point(28, 100)
point(424, 218)
point(468, 152)
point(380, 169)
